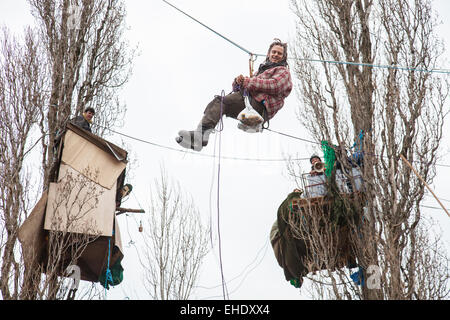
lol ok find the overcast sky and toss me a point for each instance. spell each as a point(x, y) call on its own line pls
point(181, 66)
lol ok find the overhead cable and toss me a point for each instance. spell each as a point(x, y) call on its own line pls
point(197, 153)
point(363, 64)
point(220, 35)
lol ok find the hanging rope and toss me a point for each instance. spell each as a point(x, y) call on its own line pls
point(358, 147)
point(234, 43)
point(238, 158)
point(108, 277)
point(218, 198)
point(358, 153)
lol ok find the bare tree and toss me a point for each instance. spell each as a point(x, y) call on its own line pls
point(398, 106)
point(76, 58)
point(76, 197)
point(88, 62)
point(20, 97)
point(175, 243)
point(70, 232)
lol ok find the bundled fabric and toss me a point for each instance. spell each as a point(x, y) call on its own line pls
point(115, 278)
point(289, 251)
point(293, 252)
point(358, 277)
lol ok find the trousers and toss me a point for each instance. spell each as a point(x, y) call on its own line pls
point(231, 105)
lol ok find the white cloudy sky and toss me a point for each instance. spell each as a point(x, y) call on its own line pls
point(180, 68)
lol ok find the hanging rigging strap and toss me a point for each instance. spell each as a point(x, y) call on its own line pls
point(108, 275)
point(252, 58)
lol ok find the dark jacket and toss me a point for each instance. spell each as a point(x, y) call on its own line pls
point(81, 122)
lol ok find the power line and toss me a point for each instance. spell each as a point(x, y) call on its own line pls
point(314, 142)
point(294, 137)
point(247, 272)
point(362, 64)
point(197, 153)
point(446, 200)
point(237, 158)
point(431, 207)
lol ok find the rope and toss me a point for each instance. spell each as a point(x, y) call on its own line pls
point(210, 193)
point(257, 263)
point(236, 158)
point(197, 153)
point(218, 197)
point(361, 64)
point(108, 277)
point(204, 25)
point(368, 154)
point(290, 136)
point(360, 145)
point(245, 159)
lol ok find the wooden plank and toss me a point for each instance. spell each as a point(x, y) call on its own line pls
point(80, 208)
point(117, 236)
point(103, 144)
point(354, 196)
point(84, 156)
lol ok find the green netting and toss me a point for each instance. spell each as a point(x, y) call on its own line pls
point(341, 209)
point(296, 282)
point(329, 158)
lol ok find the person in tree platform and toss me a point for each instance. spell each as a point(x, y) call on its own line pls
point(84, 121)
point(267, 90)
point(317, 166)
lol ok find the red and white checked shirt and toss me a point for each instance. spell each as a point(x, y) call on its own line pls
point(272, 86)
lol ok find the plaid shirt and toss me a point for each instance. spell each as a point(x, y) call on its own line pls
point(272, 86)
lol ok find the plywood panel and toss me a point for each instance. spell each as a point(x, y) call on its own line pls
point(84, 156)
point(76, 204)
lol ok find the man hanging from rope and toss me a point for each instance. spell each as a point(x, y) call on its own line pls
point(267, 91)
